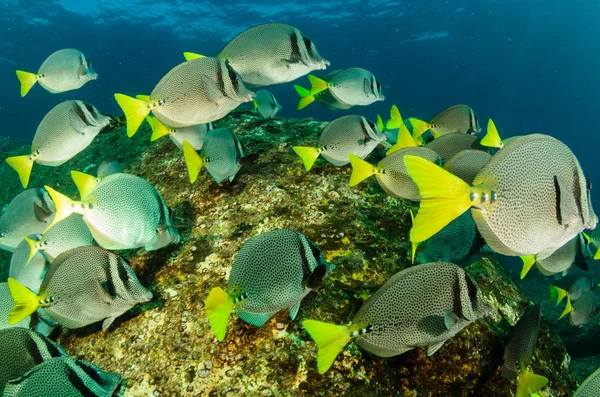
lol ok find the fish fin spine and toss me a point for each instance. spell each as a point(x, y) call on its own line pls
point(492, 138)
point(192, 161)
point(218, 306)
point(27, 81)
point(361, 170)
point(135, 112)
point(308, 155)
point(330, 340)
point(23, 166)
point(25, 302)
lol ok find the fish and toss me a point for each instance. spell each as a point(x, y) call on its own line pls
point(28, 270)
point(30, 212)
point(193, 134)
point(6, 305)
point(64, 70)
point(122, 211)
point(266, 104)
point(325, 97)
point(82, 286)
point(590, 387)
point(583, 309)
point(66, 377)
point(222, 155)
point(403, 136)
point(108, 167)
point(449, 145)
point(346, 135)
point(423, 305)
point(272, 53)
point(64, 132)
point(492, 137)
point(193, 92)
point(533, 163)
point(391, 172)
point(466, 164)
point(456, 119)
point(559, 261)
point(593, 244)
point(271, 272)
point(353, 86)
point(21, 350)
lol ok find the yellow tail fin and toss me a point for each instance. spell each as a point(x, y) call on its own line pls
point(568, 308)
point(301, 91)
point(597, 254)
point(307, 154)
point(218, 306)
point(23, 166)
point(158, 128)
point(361, 170)
point(85, 183)
point(317, 85)
point(192, 160)
point(418, 127)
point(395, 120)
point(135, 112)
point(492, 138)
point(529, 383)
point(557, 293)
point(63, 204)
point(192, 55)
point(145, 98)
point(444, 197)
point(32, 248)
point(380, 125)
point(305, 101)
point(413, 245)
point(330, 340)
point(404, 140)
point(528, 262)
point(27, 81)
point(26, 302)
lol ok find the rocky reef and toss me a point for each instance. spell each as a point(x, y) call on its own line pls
point(166, 347)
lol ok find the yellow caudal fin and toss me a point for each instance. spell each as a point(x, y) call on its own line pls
point(557, 293)
point(307, 154)
point(85, 183)
point(305, 101)
point(218, 306)
point(361, 170)
point(404, 140)
point(135, 112)
point(26, 302)
point(158, 128)
point(330, 340)
point(316, 84)
point(380, 125)
point(413, 245)
point(444, 197)
point(33, 249)
point(492, 138)
point(418, 127)
point(530, 383)
point(587, 237)
point(63, 205)
point(27, 81)
point(145, 98)
point(568, 308)
point(395, 120)
point(192, 55)
point(301, 91)
point(192, 160)
point(528, 261)
point(597, 254)
point(255, 107)
point(23, 166)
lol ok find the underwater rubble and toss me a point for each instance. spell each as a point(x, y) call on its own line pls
point(166, 347)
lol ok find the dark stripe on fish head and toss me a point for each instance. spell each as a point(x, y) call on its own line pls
point(557, 200)
point(92, 373)
point(474, 121)
point(303, 258)
point(220, 82)
point(579, 198)
point(295, 55)
point(79, 384)
point(53, 351)
point(34, 351)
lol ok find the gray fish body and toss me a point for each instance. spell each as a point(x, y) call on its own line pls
point(266, 104)
point(193, 134)
point(221, 154)
point(274, 269)
point(91, 284)
point(65, 70)
point(447, 146)
point(457, 119)
point(348, 135)
point(272, 53)
point(30, 212)
point(6, 305)
point(198, 91)
point(128, 212)
point(542, 198)
point(579, 287)
point(413, 309)
point(356, 87)
point(108, 167)
point(65, 131)
point(65, 377)
point(31, 275)
point(590, 386)
point(583, 309)
point(395, 181)
point(327, 99)
point(521, 342)
point(560, 260)
point(466, 164)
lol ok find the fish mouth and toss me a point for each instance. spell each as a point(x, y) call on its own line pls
point(323, 64)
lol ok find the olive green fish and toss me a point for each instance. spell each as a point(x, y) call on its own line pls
point(424, 305)
point(63, 70)
point(193, 134)
point(63, 133)
point(266, 104)
point(456, 119)
point(271, 272)
point(590, 386)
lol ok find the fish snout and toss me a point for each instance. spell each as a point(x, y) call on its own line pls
point(147, 296)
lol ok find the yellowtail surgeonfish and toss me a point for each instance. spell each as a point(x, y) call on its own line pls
point(456, 119)
point(424, 305)
point(590, 386)
point(266, 104)
point(63, 70)
point(580, 287)
point(194, 134)
point(271, 272)
point(30, 212)
point(447, 146)
point(6, 305)
point(559, 261)
point(273, 53)
point(83, 286)
point(194, 92)
point(529, 199)
point(63, 133)
point(343, 136)
point(325, 97)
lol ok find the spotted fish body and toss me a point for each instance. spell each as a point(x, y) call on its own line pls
point(22, 349)
point(272, 53)
point(222, 154)
point(521, 342)
point(65, 377)
point(583, 309)
point(424, 305)
point(327, 99)
point(560, 260)
point(90, 284)
point(590, 386)
point(456, 119)
point(6, 305)
point(355, 87)
point(30, 212)
point(31, 275)
point(466, 164)
point(447, 146)
point(276, 270)
point(194, 135)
